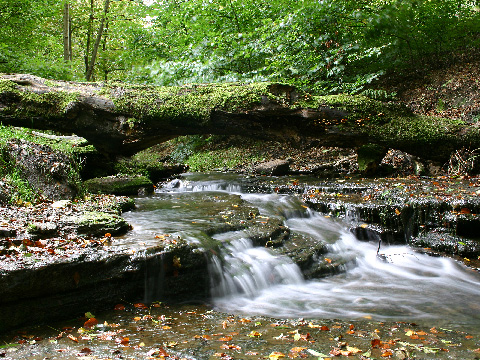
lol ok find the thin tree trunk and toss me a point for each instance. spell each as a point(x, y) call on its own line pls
point(67, 40)
point(91, 64)
point(89, 35)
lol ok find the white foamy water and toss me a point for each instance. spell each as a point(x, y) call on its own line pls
point(407, 286)
point(404, 286)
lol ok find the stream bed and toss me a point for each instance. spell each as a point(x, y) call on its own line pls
point(384, 302)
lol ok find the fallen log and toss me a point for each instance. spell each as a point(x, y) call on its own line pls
point(122, 119)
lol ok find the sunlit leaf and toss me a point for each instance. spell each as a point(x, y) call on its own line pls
point(354, 349)
point(73, 338)
point(316, 353)
point(254, 334)
point(276, 355)
point(225, 338)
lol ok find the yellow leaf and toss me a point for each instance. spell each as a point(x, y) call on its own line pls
point(354, 349)
point(276, 355)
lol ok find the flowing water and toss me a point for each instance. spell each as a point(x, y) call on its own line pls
point(269, 295)
point(401, 285)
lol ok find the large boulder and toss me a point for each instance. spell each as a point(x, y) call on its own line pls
point(276, 167)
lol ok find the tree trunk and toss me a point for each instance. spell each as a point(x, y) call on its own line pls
point(67, 33)
point(93, 58)
point(124, 119)
point(89, 36)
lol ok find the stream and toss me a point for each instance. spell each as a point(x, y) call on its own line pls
point(386, 302)
point(402, 285)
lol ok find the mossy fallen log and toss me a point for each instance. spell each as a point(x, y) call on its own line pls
point(119, 118)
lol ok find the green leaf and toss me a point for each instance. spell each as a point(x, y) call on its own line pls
point(89, 315)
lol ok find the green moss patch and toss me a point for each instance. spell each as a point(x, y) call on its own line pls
point(119, 185)
point(49, 104)
point(190, 105)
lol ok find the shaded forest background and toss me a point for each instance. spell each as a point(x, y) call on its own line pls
point(328, 46)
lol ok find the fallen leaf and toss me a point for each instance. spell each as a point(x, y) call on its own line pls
point(276, 355)
point(122, 340)
point(387, 353)
point(119, 307)
point(90, 323)
point(231, 347)
point(73, 338)
point(86, 351)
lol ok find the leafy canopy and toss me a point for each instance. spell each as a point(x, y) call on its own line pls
point(322, 46)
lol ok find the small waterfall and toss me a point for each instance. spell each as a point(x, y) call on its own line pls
point(400, 285)
point(242, 269)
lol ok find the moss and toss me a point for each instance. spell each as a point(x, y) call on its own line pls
point(392, 124)
point(220, 159)
point(369, 156)
point(190, 105)
point(424, 130)
point(119, 185)
point(362, 109)
point(49, 104)
point(99, 223)
point(66, 145)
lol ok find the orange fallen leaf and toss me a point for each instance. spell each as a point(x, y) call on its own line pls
point(90, 323)
point(276, 355)
point(122, 340)
point(387, 353)
point(119, 307)
point(225, 338)
point(73, 338)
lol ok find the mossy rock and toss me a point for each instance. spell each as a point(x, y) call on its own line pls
point(99, 223)
point(120, 185)
point(369, 157)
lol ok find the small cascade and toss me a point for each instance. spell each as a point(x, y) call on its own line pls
point(179, 185)
point(390, 283)
point(242, 269)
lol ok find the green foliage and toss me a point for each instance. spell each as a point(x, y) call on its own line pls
point(329, 46)
point(219, 159)
point(186, 146)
